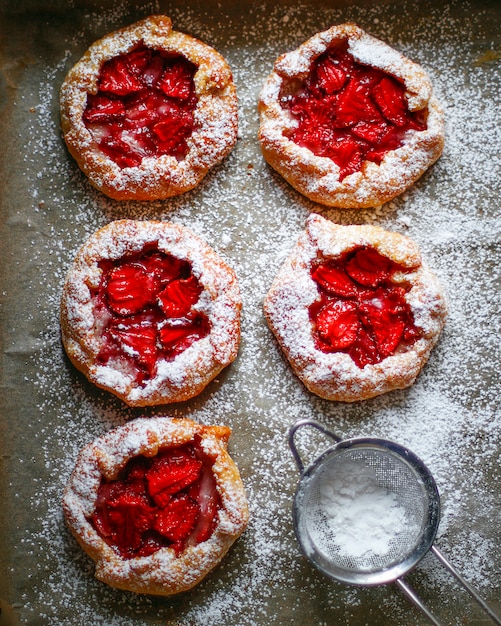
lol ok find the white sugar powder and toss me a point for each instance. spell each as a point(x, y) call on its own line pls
point(363, 515)
point(450, 417)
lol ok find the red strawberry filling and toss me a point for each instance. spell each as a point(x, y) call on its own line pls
point(169, 500)
point(144, 106)
point(144, 311)
point(360, 310)
point(349, 112)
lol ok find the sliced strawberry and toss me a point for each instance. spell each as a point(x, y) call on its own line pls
point(205, 493)
point(335, 280)
point(388, 335)
point(147, 108)
point(315, 111)
point(393, 300)
point(347, 153)
point(389, 97)
point(179, 334)
point(387, 327)
point(376, 155)
point(330, 76)
point(171, 336)
point(354, 105)
point(412, 333)
point(364, 350)
point(169, 132)
point(368, 268)
point(165, 267)
point(102, 108)
point(337, 324)
point(130, 288)
point(177, 519)
point(116, 78)
point(173, 132)
point(119, 151)
point(153, 70)
point(100, 517)
point(130, 516)
point(390, 141)
point(179, 296)
point(177, 80)
point(109, 492)
point(138, 60)
point(170, 473)
point(151, 543)
point(316, 138)
point(139, 142)
point(373, 132)
point(140, 342)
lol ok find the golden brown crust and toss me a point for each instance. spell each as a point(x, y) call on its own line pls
point(318, 177)
point(335, 376)
point(216, 115)
point(191, 371)
point(162, 573)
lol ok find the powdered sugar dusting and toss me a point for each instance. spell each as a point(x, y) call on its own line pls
point(163, 571)
point(318, 177)
point(215, 129)
point(335, 375)
point(449, 417)
point(363, 515)
point(176, 379)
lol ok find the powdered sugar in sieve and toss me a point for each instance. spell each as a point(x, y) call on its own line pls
point(364, 510)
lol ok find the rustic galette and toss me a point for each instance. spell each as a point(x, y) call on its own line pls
point(156, 503)
point(348, 121)
point(355, 310)
point(148, 111)
point(150, 312)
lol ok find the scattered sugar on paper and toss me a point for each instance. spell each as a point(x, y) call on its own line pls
point(450, 417)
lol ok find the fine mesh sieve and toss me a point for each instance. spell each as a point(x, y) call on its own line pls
point(413, 494)
point(367, 511)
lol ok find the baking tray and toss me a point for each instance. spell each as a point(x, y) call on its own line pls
point(450, 417)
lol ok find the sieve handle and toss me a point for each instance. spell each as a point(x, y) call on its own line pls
point(411, 595)
point(314, 424)
point(414, 598)
point(495, 618)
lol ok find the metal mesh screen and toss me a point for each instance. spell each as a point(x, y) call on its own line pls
point(376, 509)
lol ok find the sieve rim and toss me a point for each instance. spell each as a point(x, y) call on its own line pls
point(396, 569)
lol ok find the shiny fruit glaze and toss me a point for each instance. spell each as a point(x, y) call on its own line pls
point(144, 106)
point(169, 500)
point(144, 311)
point(361, 311)
point(349, 112)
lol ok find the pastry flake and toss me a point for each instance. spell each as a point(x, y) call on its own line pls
point(355, 310)
point(348, 121)
point(150, 312)
point(156, 504)
point(148, 111)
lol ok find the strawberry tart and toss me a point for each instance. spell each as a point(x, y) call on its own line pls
point(150, 312)
point(355, 310)
point(148, 111)
point(348, 121)
point(156, 503)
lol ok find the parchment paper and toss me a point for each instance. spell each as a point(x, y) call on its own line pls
point(450, 417)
